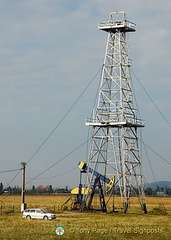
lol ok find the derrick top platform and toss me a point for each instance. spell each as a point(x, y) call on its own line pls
point(114, 25)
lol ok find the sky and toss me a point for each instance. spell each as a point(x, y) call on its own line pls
point(50, 50)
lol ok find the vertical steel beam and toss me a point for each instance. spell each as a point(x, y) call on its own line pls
point(114, 149)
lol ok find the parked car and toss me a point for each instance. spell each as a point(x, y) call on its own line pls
point(38, 214)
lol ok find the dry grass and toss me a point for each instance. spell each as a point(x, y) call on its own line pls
point(134, 225)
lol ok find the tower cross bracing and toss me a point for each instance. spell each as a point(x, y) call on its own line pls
point(114, 148)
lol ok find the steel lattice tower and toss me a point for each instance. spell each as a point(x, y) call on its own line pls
point(114, 148)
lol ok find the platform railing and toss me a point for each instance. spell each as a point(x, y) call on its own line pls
point(115, 24)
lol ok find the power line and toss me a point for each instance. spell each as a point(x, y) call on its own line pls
point(149, 162)
point(58, 161)
point(8, 185)
point(12, 179)
point(6, 171)
point(59, 175)
point(168, 123)
point(145, 145)
point(46, 139)
point(155, 152)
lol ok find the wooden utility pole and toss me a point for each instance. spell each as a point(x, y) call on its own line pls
point(23, 204)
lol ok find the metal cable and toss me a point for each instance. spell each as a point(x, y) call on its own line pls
point(58, 161)
point(46, 139)
point(58, 174)
point(168, 123)
point(155, 152)
point(6, 171)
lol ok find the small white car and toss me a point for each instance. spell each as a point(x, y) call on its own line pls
point(38, 214)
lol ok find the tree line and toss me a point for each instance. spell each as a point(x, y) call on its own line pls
point(16, 190)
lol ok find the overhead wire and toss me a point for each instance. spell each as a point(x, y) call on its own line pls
point(58, 161)
point(145, 145)
point(145, 150)
point(36, 177)
point(168, 123)
point(50, 134)
point(59, 175)
point(141, 140)
point(91, 115)
point(157, 198)
point(58, 126)
point(155, 181)
point(9, 184)
point(6, 171)
point(65, 115)
point(155, 152)
point(41, 145)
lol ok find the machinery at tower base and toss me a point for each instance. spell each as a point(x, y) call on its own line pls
point(78, 193)
point(97, 185)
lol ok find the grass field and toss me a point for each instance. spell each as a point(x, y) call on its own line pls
point(156, 224)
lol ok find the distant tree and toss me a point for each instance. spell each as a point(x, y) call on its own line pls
point(62, 190)
point(1, 188)
point(50, 189)
point(149, 191)
point(15, 190)
point(168, 191)
point(9, 189)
